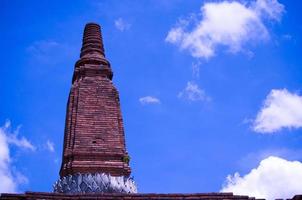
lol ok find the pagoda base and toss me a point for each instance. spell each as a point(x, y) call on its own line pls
point(94, 183)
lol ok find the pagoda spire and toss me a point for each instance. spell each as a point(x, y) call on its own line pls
point(92, 60)
point(94, 158)
point(92, 40)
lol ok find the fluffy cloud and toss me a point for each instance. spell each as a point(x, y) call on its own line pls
point(228, 24)
point(149, 100)
point(273, 178)
point(121, 24)
point(10, 179)
point(192, 92)
point(281, 109)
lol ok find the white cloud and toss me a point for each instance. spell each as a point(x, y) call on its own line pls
point(9, 178)
point(192, 92)
point(7, 184)
point(270, 8)
point(229, 24)
point(273, 178)
point(281, 109)
point(149, 100)
point(50, 146)
point(20, 178)
point(19, 142)
point(121, 24)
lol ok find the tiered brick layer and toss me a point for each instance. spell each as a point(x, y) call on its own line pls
point(94, 134)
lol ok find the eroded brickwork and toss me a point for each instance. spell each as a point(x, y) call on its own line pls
point(94, 138)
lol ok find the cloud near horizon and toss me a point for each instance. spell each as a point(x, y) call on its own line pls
point(229, 24)
point(273, 178)
point(10, 179)
point(281, 109)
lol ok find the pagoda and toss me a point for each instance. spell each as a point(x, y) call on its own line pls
point(94, 158)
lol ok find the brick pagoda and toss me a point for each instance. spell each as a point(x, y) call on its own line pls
point(94, 134)
point(94, 140)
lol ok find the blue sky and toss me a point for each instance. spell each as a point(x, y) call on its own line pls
point(207, 89)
